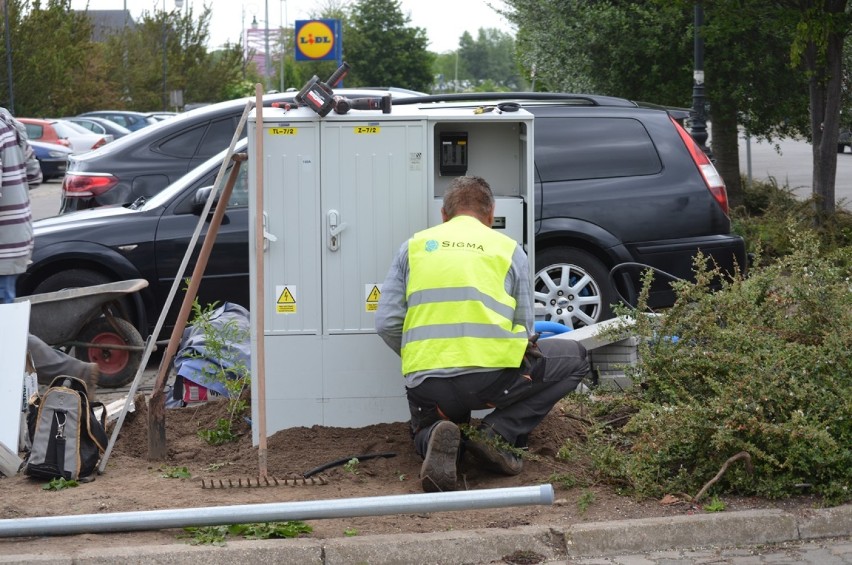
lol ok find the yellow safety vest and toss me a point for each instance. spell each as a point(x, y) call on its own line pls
point(459, 313)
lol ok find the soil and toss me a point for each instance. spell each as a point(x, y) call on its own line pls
point(132, 483)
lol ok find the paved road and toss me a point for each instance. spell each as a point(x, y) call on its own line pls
point(793, 167)
point(823, 552)
point(44, 200)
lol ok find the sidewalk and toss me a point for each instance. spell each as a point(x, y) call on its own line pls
point(643, 540)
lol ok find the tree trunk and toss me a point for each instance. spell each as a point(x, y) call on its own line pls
point(825, 90)
point(725, 138)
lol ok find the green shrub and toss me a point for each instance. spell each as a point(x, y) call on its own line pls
point(761, 365)
point(769, 210)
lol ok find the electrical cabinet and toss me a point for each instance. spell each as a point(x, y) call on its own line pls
point(340, 195)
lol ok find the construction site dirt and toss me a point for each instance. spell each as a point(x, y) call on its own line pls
point(132, 483)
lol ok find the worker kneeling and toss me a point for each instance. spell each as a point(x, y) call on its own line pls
point(457, 307)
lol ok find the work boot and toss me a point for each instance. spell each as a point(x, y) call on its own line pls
point(438, 472)
point(90, 376)
point(493, 452)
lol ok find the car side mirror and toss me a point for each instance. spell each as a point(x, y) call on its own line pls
point(200, 200)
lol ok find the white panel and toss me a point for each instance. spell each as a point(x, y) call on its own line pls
point(15, 321)
point(360, 412)
point(362, 366)
point(494, 153)
point(294, 382)
point(291, 201)
point(378, 188)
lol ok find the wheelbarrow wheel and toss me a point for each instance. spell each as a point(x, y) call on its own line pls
point(117, 366)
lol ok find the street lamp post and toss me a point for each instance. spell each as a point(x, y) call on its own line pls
point(178, 5)
point(698, 128)
point(283, 33)
point(266, 46)
point(11, 107)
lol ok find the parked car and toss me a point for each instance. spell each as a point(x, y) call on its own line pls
point(844, 140)
point(128, 119)
point(160, 116)
point(145, 163)
point(53, 159)
point(616, 183)
point(146, 241)
point(100, 126)
point(61, 132)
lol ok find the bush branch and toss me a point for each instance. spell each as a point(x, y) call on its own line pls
point(740, 455)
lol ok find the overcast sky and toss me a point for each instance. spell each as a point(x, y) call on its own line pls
point(444, 20)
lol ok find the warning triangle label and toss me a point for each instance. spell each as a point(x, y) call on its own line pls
point(375, 294)
point(286, 297)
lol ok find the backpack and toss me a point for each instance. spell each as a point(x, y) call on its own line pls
point(67, 437)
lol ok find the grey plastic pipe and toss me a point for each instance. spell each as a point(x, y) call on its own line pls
point(278, 512)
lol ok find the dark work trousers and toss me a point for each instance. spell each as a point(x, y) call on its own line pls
point(50, 363)
point(520, 401)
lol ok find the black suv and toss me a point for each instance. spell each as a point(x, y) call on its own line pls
point(616, 182)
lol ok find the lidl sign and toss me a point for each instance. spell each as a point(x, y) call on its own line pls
point(317, 40)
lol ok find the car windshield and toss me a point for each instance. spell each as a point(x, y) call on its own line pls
point(213, 163)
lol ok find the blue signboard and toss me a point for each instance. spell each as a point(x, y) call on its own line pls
point(318, 40)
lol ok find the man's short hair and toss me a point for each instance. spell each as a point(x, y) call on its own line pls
point(469, 194)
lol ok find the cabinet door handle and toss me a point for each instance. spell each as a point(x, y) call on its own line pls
point(335, 227)
point(267, 237)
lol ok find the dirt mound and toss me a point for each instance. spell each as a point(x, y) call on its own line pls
point(132, 483)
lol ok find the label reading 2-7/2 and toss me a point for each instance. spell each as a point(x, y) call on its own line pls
point(367, 129)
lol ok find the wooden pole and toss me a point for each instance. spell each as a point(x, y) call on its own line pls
point(190, 248)
point(157, 404)
point(260, 304)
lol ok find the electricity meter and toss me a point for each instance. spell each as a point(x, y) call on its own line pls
point(453, 154)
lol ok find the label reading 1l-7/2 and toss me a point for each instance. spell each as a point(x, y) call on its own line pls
point(282, 131)
point(367, 129)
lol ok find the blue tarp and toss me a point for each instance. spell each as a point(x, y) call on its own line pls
point(192, 361)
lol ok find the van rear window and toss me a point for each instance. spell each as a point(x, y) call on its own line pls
point(593, 148)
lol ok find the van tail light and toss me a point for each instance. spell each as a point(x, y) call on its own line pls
point(80, 185)
point(711, 176)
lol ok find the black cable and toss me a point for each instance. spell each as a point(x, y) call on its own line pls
point(508, 106)
point(344, 460)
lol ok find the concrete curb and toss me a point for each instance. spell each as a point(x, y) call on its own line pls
point(594, 539)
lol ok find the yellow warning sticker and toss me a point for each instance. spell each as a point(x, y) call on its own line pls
point(373, 293)
point(285, 301)
point(283, 131)
point(367, 129)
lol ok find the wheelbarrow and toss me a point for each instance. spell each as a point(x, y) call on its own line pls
point(85, 318)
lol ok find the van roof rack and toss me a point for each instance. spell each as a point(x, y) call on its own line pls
point(582, 99)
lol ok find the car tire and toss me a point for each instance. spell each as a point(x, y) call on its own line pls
point(117, 366)
point(77, 278)
point(72, 278)
point(573, 286)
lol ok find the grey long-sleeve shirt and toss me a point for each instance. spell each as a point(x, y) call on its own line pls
point(390, 315)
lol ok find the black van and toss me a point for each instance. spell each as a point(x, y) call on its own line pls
point(616, 182)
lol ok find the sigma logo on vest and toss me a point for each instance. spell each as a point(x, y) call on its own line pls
point(463, 244)
point(433, 245)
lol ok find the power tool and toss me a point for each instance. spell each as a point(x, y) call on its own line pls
point(317, 95)
point(342, 105)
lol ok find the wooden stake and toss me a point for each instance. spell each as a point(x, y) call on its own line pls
point(157, 404)
point(260, 304)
